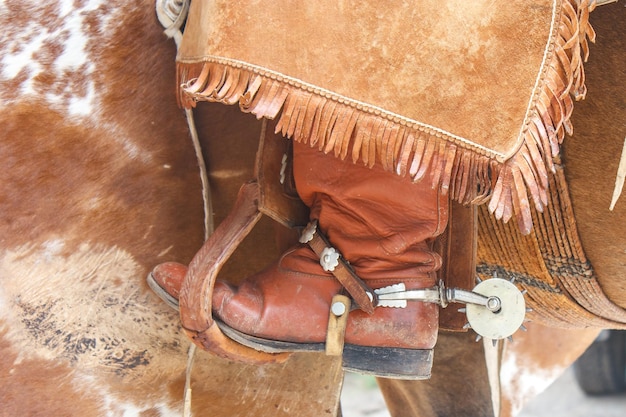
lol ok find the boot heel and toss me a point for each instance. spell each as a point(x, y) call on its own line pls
point(387, 362)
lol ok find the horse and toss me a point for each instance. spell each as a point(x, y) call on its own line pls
point(101, 183)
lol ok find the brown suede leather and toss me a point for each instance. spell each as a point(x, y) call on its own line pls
point(441, 63)
point(382, 224)
point(477, 93)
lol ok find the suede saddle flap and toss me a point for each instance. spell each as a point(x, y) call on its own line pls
point(474, 96)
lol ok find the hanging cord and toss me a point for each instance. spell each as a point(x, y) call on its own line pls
point(493, 360)
point(206, 187)
point(172, 15)
point(619, 179)
point(191, 354)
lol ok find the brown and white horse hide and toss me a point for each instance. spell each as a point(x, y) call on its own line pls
point(99, 184)
point(92, 169)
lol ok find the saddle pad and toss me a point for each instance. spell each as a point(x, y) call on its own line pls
point(474, 96)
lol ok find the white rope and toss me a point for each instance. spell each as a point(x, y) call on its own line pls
point(619, 180)
point(172, 15)
point(204, 177)
point(187, 395)
point(492, 360)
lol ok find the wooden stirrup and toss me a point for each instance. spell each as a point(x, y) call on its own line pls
point(196, 293)
point(267, 194)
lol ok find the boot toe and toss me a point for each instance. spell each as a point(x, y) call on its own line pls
point(166, 280)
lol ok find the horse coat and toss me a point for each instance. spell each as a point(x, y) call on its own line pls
point(99, 184)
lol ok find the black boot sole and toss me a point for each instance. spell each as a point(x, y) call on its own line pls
point(385, 362)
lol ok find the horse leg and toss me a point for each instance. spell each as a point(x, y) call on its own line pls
point(535, 360)
point(459, 384)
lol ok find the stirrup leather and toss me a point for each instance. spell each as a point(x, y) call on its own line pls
point(332, 261)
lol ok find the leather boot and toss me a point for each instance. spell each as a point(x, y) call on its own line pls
point(384, 226)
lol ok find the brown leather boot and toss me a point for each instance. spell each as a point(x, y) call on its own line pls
point(383, 226)
point(166, 280)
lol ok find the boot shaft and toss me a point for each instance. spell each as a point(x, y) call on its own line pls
point(380, 222)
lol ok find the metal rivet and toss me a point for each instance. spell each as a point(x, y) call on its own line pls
point(338, 309)
point(493, 304)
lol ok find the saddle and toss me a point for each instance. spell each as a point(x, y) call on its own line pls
point(473, 97)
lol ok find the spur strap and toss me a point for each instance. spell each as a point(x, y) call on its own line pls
point(332, 261)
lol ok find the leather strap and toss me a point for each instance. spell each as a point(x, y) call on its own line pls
point(278, 198)
point(332, 261)
point(457, 247)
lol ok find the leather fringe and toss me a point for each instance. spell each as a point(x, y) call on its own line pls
point(561, 81)
point(347, 128)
